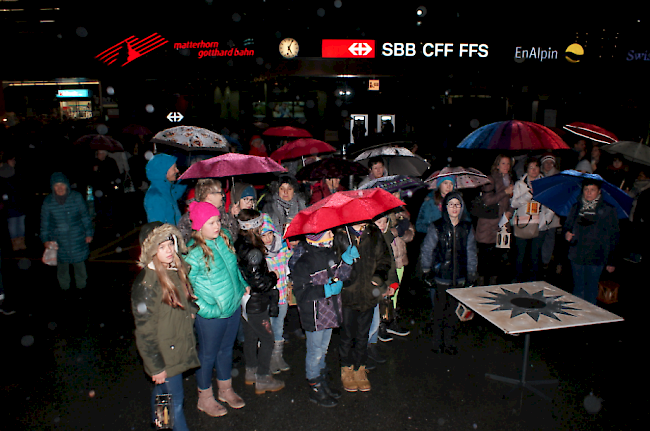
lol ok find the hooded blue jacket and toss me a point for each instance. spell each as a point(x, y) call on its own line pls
point(161, 200)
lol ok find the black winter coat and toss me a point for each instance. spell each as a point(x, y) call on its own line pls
point(253, 267)
point(595, 241)
point(373, 265)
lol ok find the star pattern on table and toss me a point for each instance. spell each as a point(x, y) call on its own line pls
point(534, 305)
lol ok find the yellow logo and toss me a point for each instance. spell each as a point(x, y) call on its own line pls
point(574, 53)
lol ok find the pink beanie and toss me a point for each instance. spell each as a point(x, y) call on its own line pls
point(200, 212)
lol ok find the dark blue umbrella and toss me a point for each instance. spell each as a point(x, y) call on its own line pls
point(559, 192)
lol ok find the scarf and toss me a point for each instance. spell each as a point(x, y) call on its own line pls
point(61, 199)
point(588, 210)
point(284, 205)
point(274, 248)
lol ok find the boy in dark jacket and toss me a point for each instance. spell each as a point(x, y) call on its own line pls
point(449, 260)
point(360, 295)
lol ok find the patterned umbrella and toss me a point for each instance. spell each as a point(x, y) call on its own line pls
point(192, 138)
point(395, 183)
point(100, 142)
point(592, 132)
point(342, 208)
point(513, 135)
point(398, 160)
point(466, 178)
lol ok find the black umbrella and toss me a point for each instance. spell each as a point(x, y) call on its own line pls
point(332, 167)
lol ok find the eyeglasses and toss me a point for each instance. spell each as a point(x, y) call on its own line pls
point(454, 205)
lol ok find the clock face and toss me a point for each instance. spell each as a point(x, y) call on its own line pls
point(289, 48)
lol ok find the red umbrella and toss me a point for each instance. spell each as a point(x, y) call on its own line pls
point(301, 147)
point(342, 208)
point(287, 131)
point(100, 142)
point(513, 135)
point(136, 129)
point(592, 132)
point(231, 164)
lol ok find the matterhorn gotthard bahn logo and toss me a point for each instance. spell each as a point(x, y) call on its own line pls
point(130, 49)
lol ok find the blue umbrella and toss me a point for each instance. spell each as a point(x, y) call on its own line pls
point(559, 192)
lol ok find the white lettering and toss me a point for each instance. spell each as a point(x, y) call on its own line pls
point(387, 49)
point(410, 49)
point(483, 50)
point(424, 49)
point(518, 52)
point(398, 50)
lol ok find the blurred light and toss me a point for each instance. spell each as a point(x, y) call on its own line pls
point(421, 11)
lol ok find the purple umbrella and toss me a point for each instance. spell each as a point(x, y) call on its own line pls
point(230, 165)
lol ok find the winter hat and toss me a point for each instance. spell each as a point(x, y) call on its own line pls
point(238, 191)
point(200, 212)
point(155, 233)
point(440, 180)
point(317, 240)
point(267, 224)
point(249, 192)
point(546, 157)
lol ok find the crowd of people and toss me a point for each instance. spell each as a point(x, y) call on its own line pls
point(217, 268)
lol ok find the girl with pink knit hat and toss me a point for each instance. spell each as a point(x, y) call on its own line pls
point(219, 288)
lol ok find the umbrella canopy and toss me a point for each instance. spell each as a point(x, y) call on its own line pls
point(136, 129)
point(332, 167)
point(100, 142)
point(592, 132)
point(301, 147)
point(465, 178)
point(633, 151)
point(398, 160)
point(559, 192)
point(395, 183)
point(231, 164)
point(342, 208)
point(287, 131)
point(191, 138)
point(513, 135)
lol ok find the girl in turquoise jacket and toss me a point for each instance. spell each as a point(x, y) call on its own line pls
point(219, 288)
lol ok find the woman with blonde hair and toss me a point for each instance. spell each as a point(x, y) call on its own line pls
point(219, 287)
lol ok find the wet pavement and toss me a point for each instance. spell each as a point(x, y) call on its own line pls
point(70, 363)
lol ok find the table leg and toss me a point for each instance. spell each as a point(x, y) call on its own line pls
point(522, 383)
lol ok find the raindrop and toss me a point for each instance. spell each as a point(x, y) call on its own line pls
point(474, 426)
point(338, 102)
point(142, 308)
point(101, 325)
point(57, 419)
point(338, 3)
point(320, 12)
point(149, 108)
point(51, 326)
point(24, 263)
point(278, 34)
point(344, 113)
point(60, 36)
point(441, 421)
point(236, 17)
point(474, 123)
point(433, 107)
point(234, 372)
point(412, 322)
point(267, 65)
point(99, 193)
point(5, 197)
point(259, 60)
point(230, 63)
point(310, 104)
point(592, 403)
point(118, 250)
point(409, 193)
point(376, 292)
point(110, 91)
point(185, 52)
point(148, 155)
point(81, 32)
point(118, 181)
point(102, 129)
point(27, 340)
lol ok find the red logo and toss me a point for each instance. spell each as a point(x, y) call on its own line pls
point(348, 48)
point(135, 48)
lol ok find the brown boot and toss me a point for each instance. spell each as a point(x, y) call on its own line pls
point(228, 395)
point(361, 376)
point(21, 243)
point(348, 379)
point(14, 244)
point(209, 405)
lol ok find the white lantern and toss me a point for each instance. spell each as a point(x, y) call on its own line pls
point(503, 238)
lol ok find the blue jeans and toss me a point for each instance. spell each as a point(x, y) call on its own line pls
point(585, 281)
point(16, 226)
point(277, 323)
point(317, 344)
point(174, 386)
point(216, 340)
point(374, 327)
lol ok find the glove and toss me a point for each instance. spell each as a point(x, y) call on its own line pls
point(427, 278)
point(350, 254)
point(333, 288)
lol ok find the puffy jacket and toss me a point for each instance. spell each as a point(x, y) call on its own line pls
point(161, 200)
point(220, 286)
point(447, 250)
point(257, 275)
point(68, 224)
point(164, 335)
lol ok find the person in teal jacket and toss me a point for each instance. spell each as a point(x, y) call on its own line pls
point(161, 200)
point(66, 222)
point(219, 287)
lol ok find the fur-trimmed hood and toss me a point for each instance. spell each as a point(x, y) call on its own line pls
point(152, 234)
